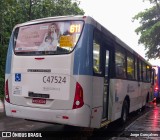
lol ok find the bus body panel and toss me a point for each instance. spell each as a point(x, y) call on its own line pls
point(50, 83)
point(96, 117)
point(60, 110)
point(74, 117)
point(119, 89)
point(98, 83)
point(97, 101)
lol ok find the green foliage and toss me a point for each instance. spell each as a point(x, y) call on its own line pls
point(149, 29)
point(13, 12)
point(3, 52)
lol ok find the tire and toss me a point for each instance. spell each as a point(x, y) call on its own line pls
point(124, 114)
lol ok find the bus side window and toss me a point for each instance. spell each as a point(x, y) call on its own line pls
point(144, 72)
point(96, 54)
point(140, 70)
point(130, 67)
point(136, 68)
point(149, 70)
point(120, 64)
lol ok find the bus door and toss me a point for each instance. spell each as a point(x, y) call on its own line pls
point(101, 92)
point(100, 96)
point(106, 86)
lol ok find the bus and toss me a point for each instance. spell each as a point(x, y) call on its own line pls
point(71, 70)
point(157, 82)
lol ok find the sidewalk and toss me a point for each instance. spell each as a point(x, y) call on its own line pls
point(148, 122)
point(145, 127)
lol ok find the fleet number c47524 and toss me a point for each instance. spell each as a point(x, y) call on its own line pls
point(54, 79)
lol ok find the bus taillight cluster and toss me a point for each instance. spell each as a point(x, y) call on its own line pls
point(7, 92)
point(78, 99)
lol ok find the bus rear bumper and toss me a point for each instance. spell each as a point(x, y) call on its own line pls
point(75, 117)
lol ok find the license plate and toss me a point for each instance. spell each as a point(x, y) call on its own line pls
point(38, 101)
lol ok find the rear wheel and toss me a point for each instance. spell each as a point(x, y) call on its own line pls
point(124, 114)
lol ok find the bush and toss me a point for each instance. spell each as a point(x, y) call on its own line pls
point(3, 53)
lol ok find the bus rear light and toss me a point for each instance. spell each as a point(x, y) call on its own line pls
point(65, 117)
point(156, 89)
point(39, 58)
point(78, 99)
point(7, 92)
point(13, 111)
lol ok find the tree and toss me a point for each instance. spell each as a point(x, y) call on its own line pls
point(34, 9)
point(149, 29)
point(13, 12)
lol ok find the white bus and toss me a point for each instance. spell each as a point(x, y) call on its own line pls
point(71, 70)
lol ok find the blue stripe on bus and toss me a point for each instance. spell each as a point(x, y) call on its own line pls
point(83, 55)
point(9, 56)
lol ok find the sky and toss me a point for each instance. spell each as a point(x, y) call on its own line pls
point(116, 16)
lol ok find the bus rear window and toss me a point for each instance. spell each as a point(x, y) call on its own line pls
point(47, 38)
